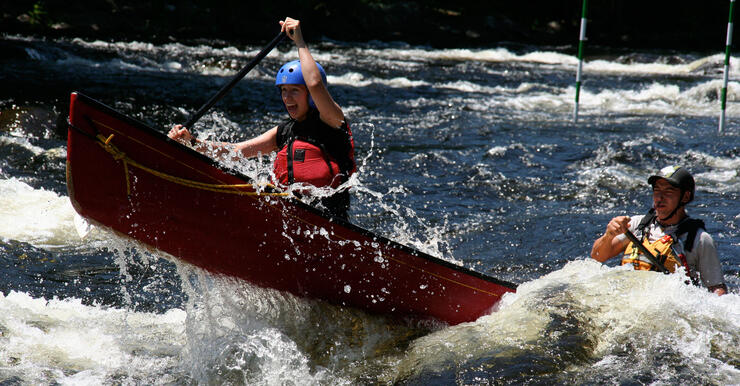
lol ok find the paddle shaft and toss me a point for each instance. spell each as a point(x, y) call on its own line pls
point(194, 118)
point(644, 250)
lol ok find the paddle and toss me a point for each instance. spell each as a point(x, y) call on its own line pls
point(194, 118)
point(644, 250)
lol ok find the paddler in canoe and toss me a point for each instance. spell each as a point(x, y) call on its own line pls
point(314, 144)
point(667, 232)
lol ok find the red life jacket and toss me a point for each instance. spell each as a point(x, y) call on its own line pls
point(313, 152)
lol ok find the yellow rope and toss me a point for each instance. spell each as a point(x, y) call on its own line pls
point(118, 155)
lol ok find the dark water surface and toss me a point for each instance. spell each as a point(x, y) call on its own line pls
point(470, 155)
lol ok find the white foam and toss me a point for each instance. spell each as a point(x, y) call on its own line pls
point(497, 151)
point(267, 336)
point(603, 66)
point(67, 342)
point(610, 308)
point(653, 99)
point(35, 216)
point(599, 66)
point(169, 57)
point(484, 55)
point(18, 138)
point(173, 49)
point(358, 80)
point(722, 176)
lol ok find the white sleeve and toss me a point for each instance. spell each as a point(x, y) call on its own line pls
point(708, 264)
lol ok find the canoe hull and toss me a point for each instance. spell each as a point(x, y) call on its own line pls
point(166, 196)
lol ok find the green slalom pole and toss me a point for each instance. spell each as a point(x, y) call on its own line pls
point(727, 68)
point(581, 40)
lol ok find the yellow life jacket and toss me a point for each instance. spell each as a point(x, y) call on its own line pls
point(661, 249)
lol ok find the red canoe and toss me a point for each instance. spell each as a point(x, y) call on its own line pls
point(134, 180)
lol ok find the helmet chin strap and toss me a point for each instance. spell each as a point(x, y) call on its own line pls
point(680, 204)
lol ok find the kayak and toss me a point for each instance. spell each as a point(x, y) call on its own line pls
point(129, 178)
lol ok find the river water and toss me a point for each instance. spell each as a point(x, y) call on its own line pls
point(468, 154)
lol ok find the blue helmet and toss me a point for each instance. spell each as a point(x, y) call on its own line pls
point(290, 73)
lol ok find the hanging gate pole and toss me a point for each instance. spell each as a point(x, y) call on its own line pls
point(727, 68)
point(581, 40)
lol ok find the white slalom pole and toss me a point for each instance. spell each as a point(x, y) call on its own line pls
point(726, 75)
point(581, 40)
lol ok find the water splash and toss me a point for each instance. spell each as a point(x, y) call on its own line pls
point(589, 323)
point(36, 216)
point(64, 341)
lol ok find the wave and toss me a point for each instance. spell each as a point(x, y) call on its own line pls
point(35, 216)
point(650, 65)
point(65, 341)
point(592, 323)
point(652, 99)
point(583, 321)
point(226, 61)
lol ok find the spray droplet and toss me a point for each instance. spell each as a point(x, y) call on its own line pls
point(347, 288)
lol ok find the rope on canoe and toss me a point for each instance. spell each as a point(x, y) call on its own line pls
point(119, 155)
